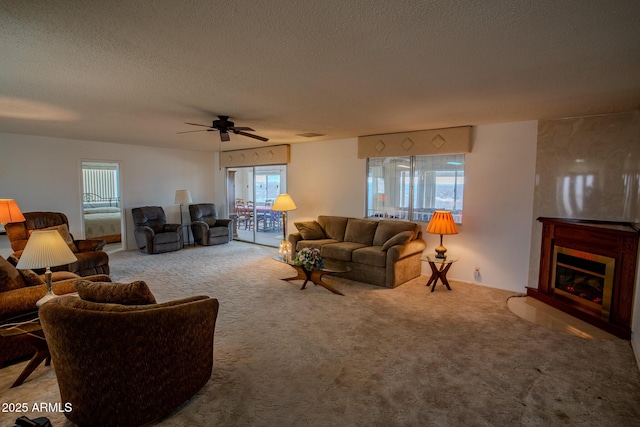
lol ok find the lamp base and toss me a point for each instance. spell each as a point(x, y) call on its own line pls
point(441, 252)
point(49, 295)
point(285, 250)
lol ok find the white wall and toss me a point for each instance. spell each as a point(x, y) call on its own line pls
point(499, 182)
point(42, 173)
point(328, 178)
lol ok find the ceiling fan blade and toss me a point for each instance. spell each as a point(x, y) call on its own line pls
point(197, 124)
point(250, 135)
point(189, 131)
point(224, 136)
point(241, 128)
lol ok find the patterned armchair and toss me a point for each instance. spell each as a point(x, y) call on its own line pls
point(142, 362)
point(19, 292)
point(91, 258)
point(207, 228)
point(153, 234)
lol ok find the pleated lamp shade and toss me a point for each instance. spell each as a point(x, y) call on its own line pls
point(283, 203)
point(45, 248)
point(10, 212)
point(442, 223)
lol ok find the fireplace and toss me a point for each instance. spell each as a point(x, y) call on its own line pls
point(588, 269)
point(584, 279)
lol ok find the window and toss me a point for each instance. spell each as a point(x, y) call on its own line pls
point(414, 187)
point(100, 184)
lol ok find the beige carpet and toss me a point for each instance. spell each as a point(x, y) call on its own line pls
point(374, 357)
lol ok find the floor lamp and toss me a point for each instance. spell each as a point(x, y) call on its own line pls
point(284, 203)
point(183, 197)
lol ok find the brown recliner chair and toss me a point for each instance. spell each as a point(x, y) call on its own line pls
point(207, 228)
point(153, 234)
point(91, 258)
point(140, 363)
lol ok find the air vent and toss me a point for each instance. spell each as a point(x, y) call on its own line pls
point(310, 134)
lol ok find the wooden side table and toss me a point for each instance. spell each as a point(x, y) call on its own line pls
point(439, 269)
point(30, 332)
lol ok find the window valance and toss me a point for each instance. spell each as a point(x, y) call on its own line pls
point(270, 155)
point(456, 140)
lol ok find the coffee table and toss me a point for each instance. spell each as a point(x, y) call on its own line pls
point(315, 275)
point(28, 329)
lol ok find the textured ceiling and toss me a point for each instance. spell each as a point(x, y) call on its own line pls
point(134, 71)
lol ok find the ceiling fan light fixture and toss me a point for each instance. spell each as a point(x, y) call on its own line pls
point(224, 125)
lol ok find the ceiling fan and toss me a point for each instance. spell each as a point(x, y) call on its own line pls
point(224, 126)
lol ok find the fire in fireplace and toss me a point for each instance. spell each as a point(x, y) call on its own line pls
point(584, 278)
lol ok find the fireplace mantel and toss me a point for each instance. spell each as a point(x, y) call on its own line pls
point(616, 240)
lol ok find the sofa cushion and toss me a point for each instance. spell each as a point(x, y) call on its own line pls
point(360, 231)
point(399, 239)
point(31, 278)
point(370, 255)
point(340, 251)
point(313, 243)
point(389, 228)
point(333, 226)
point(64, 232)
point(134, 293)
point(10, 277)
point(310, 230)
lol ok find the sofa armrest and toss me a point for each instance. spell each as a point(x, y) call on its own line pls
point(410, 248)
point(22, 300)
point(294, 238)
point(172, 227)
point(225, 222)
point(90, 245)
point(201, 224)
point(145, 231)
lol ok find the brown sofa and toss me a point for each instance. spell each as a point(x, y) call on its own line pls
point(140, 363)
point(381, 252)
point(91, 258)
point(19, 292)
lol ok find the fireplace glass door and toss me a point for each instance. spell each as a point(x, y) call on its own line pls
point(584, 278)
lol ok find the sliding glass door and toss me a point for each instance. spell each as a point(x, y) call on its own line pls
point(251, 192)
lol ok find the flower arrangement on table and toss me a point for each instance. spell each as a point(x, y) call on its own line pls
point(309, 258)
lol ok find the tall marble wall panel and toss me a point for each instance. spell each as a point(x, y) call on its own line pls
point(586, 168)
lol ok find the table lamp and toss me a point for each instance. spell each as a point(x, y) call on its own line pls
point(10, 212)
point(284, 203)
point(45, 249)
point(442, 223)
